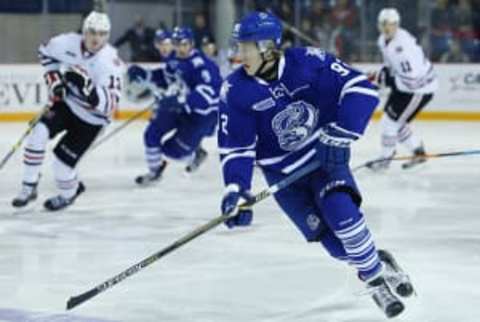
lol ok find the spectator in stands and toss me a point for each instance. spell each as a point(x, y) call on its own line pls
point(321, 26)
point(140, 39)
point(209, 47)
point(455, 53)
point(200, 29)
point(441, 29)
point(463, 26)
point(344, 20)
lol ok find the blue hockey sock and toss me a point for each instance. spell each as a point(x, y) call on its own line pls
point(348, 224)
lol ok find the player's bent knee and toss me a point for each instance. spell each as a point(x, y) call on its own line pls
point(39, 136)
point(175, 148)
point(389, 125)
point(151, 137)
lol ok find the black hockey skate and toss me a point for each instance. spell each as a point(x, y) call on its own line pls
point(384, 298)
point(151, 177)
point(396, 278)
point(199, 158)
point(26, 195)
point(60, 202)
point(419, 157)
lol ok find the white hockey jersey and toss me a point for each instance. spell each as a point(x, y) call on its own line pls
point(104, 68)
point(411, 69)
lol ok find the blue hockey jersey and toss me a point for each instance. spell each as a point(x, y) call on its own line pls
point(277, 124)
point(201, 77)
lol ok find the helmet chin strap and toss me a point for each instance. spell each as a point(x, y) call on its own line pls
point(267, 73)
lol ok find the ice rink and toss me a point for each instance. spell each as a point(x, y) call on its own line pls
point(428, 217)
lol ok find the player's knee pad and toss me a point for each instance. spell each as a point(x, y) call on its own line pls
point(38, 137)
point(340, 209)
point(176, 148)
point(390, 127)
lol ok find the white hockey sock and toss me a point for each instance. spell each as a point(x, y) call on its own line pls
point(154, 158)
point(408, 139)
point(34, 153)
point(389, 136)
point(65, 177)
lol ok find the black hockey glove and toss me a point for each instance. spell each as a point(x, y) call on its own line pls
point(55, 85)
point(78, 78)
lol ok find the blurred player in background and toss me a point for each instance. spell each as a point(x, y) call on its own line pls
point(410, 75)
point(283, 110)
point(187, 110)
point(83, 75)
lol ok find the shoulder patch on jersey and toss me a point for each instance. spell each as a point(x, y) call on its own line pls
point(264, 105)
point(197, 61)
point(317, 52)
point(224, 91)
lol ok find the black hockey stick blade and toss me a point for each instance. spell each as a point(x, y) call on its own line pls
point(83, 297)
point(77, 300)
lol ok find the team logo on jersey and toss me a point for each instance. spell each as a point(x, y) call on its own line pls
point(224, 91)
point(317, 52)
point(281, 90)
point(294, 124)
point(313, 221)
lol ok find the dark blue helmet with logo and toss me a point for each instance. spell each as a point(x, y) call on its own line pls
point(162, 35)
point(258, 27)
point(181, 34)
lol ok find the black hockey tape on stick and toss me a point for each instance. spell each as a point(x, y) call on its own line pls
point(426, 156)
point(120, 127)
point(83, 297)
point(31, 125)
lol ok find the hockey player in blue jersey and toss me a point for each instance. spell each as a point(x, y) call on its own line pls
point(192, 116)
point(284, 109)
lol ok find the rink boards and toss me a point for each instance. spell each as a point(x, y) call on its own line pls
point(23, 93)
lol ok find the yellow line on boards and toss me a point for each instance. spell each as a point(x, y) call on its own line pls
point(126, 114)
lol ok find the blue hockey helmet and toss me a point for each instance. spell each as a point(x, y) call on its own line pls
point(258, 27)
point(181, 34)
point(162, 35)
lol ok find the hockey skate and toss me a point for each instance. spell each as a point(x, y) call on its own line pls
point(26, 195)
point(419, 157)
point(384, 298)
point(198, 159)
point(151, 177)
point(60, 202)
point(396, 278)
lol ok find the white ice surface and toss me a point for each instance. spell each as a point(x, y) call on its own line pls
point(429, 218)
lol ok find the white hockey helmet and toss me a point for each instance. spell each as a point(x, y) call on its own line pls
point(97, 21)
point(388, 15)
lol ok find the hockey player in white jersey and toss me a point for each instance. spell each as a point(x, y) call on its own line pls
point(83, 75)
point(412, 80)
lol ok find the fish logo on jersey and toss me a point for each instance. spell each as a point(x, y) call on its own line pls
point(294, 124)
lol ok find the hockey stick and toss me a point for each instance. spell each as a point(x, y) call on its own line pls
point(31, 125)
point(120, 127)
point(79, 299)
point(300, 34)
point(427, 156)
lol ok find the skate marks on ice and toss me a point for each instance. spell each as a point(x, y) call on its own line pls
point(14, 315)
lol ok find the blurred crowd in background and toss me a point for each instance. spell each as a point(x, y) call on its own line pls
point(449, 30)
